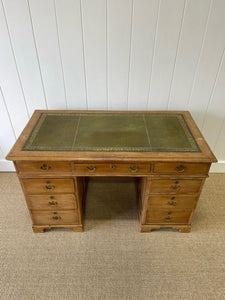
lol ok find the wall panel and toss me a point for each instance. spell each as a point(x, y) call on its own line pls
point(46, 35)
point(142, 45)
point(116, 55)
point(193, 32)
point(169, 27)
point(10, 82)
point(119, 21)
point(17, 13)
point(220, 145)
point(71, 44)
point(94, 31)
point(209, 63)
point(7, 135)
point(213, 121)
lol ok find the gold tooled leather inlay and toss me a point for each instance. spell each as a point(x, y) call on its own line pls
point(118, 132)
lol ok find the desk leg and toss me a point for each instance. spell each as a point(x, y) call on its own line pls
point(40, 229)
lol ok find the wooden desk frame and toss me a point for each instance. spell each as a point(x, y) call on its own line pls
point(163, 176)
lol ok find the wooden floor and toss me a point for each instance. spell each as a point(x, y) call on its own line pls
point(111, 259)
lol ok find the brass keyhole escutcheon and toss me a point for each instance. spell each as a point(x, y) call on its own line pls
point(112, 167)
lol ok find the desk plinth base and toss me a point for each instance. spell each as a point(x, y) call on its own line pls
point(43, 228)
point(181, 228)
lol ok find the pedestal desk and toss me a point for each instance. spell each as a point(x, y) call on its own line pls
point(58, 150)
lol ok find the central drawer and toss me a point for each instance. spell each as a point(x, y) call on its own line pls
point(48, 186)
point(110, 169)
point(52, 202)
point(168, 186)
point(55, 218)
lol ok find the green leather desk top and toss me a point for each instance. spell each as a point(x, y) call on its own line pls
point(111, 132)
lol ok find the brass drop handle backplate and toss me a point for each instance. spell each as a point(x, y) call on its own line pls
point(91, 168)
point(56, 218)
point(45, 167)
point(168, 218)
point(180, 168)
point(173, 203)
point(49, 187)
point(133, 168)
point(52, 203)
point(175, 187)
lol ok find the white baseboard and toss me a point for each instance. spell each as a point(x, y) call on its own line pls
point(7, 166)
point(218, 167)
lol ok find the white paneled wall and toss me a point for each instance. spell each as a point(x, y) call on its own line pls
point(112, 54)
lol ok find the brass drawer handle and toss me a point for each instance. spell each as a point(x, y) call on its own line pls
point(133, 168)
point(180, 168)
point(52, 203)
point(45, 167)
point(168, 218)
point(172, 203)
point(175, 187)
point(49, 187)
point(56, 218)
point(91, 168)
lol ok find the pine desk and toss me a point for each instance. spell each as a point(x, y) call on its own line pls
point(165, 151)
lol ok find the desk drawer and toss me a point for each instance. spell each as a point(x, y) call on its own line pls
point(168, 217)
point(172, 202)
point(55, 218)
point(183, 186)
point(48, 186)
point(43, 167)
point(111, 169)
point(52, 202)
point(181, 168)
